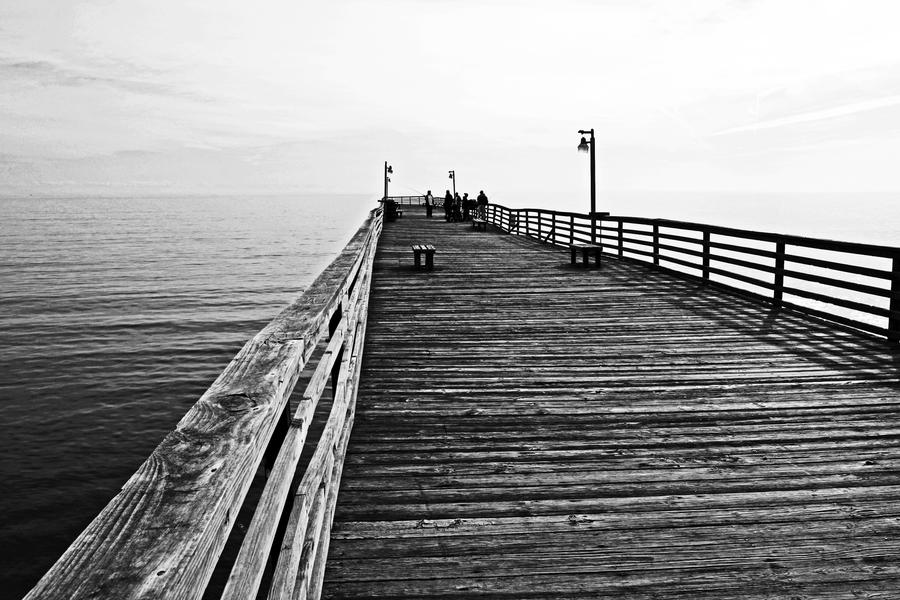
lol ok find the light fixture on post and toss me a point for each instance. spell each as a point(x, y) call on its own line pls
point(453, 177)
point(587, 145)
point(387, 170)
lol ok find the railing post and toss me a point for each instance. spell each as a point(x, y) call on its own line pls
point(621, 239)
point(656, 244)
point(600, 237)
point(553, 226)
point(894, 322)
point(705, 256)
point(571, 230)
point(778, 292)
point(540, 219)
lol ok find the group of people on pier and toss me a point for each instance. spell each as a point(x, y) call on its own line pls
point(458, 208)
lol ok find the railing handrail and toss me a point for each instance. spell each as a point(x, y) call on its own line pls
point(407, 200)
point(792, 239)
point(162, 535)
point(652, 246)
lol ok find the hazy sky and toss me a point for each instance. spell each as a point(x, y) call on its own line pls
point(170, 96)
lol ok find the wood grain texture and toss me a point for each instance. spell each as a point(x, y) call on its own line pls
point(528, 429)
point(300, 568)
point(687, 250)
point(161, 536)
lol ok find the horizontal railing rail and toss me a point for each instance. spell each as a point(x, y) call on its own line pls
point(407, 200)
point(163, 534)
point(854, 284)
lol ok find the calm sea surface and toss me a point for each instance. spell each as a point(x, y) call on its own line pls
point(117, 314)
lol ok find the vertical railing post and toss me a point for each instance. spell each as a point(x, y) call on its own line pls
point(621, 239)
point(600, 235)
point(894, 321)
point(778, 292)
point(571, 230)
point(540, 229)
point(705, 256)
point(553, 226)
point(656, 244)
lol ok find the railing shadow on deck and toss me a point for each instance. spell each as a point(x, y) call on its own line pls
point(163, 534)
point(851, 284)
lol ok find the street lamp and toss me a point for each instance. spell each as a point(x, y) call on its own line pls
point(588, 146)
point(453, 177)
point(387, 169)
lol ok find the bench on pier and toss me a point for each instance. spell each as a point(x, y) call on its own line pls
point(479, 224)
point(586, 251)
point(428, 251)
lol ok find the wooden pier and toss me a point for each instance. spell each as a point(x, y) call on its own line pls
point(525, 428)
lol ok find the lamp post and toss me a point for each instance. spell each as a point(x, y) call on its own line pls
point(453, 177)
point(588, 146)
point(388, 169)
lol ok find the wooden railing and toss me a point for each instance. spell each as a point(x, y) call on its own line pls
point(856, 285)
point(408, 200)
point(163, 534)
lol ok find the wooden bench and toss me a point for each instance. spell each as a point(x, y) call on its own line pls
point(586, 251)
point(479, 224)
point(428, 250)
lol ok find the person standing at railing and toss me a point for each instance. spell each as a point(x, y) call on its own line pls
point(456, 217)
point(465, 207)
point(482, 203)
point(448, 205)
point(429, 203)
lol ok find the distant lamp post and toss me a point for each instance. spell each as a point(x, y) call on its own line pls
point(588, 145)
point(388, 169)
point(453, 177)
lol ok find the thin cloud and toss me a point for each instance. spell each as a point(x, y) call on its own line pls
point(46, 72)
point(813, 116)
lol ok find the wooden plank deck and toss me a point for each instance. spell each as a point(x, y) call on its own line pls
point(529, 429)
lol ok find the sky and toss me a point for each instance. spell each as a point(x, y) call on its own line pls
point(292, 96)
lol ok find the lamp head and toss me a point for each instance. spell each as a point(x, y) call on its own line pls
point(584, 146)
point(390, 169)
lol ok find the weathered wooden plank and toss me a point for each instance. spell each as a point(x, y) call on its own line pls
point(299, 570)
point(525, 430)
point(162, 534)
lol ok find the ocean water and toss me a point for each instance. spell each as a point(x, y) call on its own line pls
point(115, 316)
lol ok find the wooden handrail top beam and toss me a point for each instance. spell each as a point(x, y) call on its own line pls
point(162, 535)
point(796, 240)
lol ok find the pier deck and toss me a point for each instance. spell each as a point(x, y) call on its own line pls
point(529, 429)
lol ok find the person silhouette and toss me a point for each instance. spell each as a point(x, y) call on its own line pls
point(429, 203)
point(482, 202)
point(448, 205)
